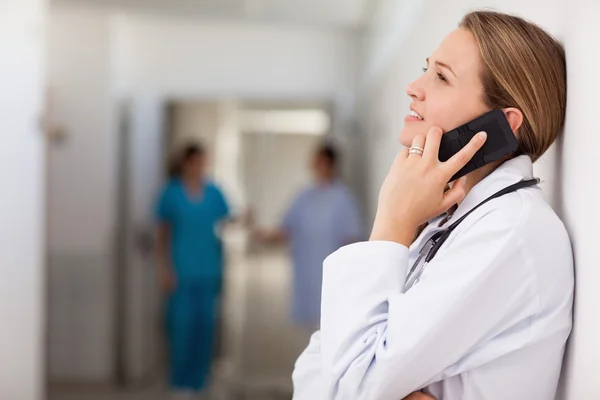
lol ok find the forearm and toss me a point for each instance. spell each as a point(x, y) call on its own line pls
point(271, 237)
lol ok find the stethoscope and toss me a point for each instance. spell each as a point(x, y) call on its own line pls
point(431, 246)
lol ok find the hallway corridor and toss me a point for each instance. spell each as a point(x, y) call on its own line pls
point(258, 344)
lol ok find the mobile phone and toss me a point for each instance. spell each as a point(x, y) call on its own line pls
point(501, 141)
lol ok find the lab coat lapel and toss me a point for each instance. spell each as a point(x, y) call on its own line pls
point(509, 173)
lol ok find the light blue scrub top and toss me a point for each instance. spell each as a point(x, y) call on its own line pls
point(196, 249)
point(322, 219)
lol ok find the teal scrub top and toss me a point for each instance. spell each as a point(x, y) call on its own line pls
point(195, 247)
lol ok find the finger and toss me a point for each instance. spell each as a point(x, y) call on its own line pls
point(418, 144)
point(455, 195)
point(460, 159)
point(400, 158)
point(432, 144)
point(402, 155)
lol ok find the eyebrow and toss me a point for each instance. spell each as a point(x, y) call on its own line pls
point(442, 64)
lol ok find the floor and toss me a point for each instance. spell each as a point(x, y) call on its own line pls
point(258, 343)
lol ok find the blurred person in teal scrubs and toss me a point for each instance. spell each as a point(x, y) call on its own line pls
point(190, 211)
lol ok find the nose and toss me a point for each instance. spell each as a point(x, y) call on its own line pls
point(415, 90)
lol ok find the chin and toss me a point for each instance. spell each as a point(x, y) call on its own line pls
point(408, 133)
point(407, 136)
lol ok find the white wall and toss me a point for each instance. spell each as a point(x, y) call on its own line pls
point(21, 207)
point(80, 82)
point(195, 121)
point(571, 169)
point(577, 195)
point(184, 57)
point(81, 195)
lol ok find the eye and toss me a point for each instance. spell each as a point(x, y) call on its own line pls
point(442, 77)
point(424, 69)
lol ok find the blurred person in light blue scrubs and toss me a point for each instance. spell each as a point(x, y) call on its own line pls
point(322, 218)
point(190, 210)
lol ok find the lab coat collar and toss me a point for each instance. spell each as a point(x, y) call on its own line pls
point(508, 173)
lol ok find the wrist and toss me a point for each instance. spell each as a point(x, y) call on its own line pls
point(403, 238)
point(402, 233)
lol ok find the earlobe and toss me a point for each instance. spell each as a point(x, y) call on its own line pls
point(515, 119)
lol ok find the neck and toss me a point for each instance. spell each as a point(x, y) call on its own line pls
point(325, 180)
point(191, 180)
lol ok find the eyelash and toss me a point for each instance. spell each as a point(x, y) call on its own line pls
point(440, 76)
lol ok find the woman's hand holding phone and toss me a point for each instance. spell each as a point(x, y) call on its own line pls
point(413, 191)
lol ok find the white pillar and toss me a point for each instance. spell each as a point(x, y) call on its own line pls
point(22, 37)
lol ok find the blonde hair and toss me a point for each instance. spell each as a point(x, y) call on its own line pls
point(523, 67)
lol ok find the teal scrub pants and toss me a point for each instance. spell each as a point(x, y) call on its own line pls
point(191, 323)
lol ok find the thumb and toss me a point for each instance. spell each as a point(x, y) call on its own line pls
point(456, 194)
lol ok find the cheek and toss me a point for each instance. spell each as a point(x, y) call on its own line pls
point(451, 115)
point(436, 116)
point(446, 110)
point(439, 112)
point(459, 111)
point(444, 114)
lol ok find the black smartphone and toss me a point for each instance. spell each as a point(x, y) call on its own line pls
point(501, 141)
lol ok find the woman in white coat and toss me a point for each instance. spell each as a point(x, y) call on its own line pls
point(489, 316)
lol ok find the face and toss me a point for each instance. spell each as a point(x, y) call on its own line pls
point(450, 92)
point(194, 167)
point(322, 168)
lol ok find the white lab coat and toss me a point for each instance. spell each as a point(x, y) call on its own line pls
point(488, 319)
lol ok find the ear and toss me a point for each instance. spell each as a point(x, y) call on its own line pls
point(515, 119)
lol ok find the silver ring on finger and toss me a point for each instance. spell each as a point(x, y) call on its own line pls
point(416, 150)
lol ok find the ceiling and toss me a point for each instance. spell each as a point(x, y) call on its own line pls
point(331, 13)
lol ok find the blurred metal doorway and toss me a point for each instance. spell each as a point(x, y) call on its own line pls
point(138, 341)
